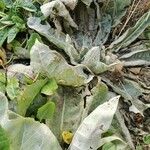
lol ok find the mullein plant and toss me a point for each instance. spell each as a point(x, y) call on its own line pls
point(81, 84)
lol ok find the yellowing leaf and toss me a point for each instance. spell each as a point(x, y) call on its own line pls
point(67, 136)
point(2, 57)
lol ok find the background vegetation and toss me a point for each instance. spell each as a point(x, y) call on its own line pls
point(74, 74)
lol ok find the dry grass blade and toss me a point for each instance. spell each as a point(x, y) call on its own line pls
point(131, 12)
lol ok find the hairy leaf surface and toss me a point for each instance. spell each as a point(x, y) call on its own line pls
point(89, 132)
point(25, 133)
point(53, 65)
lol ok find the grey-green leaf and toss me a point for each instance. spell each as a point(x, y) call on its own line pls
point(69, 109)
point(92, 61)
point(8, 3)
point(138, 52)
point(3, 108)
point(89, 132)
point(25, 133)
point(57, 8)
point(3, 35)
point(71, 4)
point(20, 70)
point(99, 93)
point(117, 9)
point(116, 141)
point(59, 40)
point(12, 88)
point(87, 2)
point(53, 65)
point(12, 34)
point(132, 33)
point(27, 5)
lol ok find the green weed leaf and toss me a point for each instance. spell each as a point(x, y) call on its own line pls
point(2, 82)
point(146, 139)
point(46, 111)
point(28, 95)
point(50, 87)
point(32, 40)
point(4, 140)
point(3, 35)
point(12, 34)
point(12, 88)
point(109, 146)
point(27, 5)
